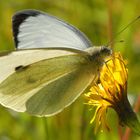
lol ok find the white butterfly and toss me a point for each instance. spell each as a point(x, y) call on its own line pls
point(52, 65)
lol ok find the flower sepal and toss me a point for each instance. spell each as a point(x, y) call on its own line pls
point(127, 116)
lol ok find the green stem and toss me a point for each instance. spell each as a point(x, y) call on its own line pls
point(45, 124)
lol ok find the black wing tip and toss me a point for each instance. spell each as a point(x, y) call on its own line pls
point(18, 19)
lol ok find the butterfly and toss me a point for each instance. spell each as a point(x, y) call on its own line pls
point(52, 65)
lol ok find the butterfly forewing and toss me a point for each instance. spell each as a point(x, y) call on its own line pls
point(10, 61)
point(34, 29)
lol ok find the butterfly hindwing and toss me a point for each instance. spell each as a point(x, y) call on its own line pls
point(37, 87)
point(57, 95)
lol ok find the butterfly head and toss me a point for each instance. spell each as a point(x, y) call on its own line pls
point(105, 51)
point(99, 52)
point(97, 55)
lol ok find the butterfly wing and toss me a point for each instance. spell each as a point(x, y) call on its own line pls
point(45, 87)
point(32, 29)
point(43, 81)
point(64, 91)
point(9, 61)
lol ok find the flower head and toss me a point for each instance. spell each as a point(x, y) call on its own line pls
point(111, 90)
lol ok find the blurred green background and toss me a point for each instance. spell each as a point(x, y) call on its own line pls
point(100, 21)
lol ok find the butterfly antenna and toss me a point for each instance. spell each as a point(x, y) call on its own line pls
point(129, 24)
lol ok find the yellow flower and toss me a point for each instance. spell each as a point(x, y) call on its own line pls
point(110, 91)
